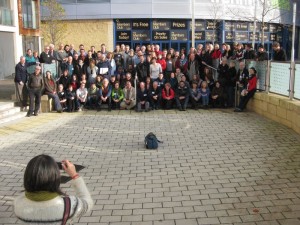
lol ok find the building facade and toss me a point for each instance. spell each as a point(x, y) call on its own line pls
point(19, 30)
point(168, 23)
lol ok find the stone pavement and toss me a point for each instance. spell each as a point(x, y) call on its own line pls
point(214, 167)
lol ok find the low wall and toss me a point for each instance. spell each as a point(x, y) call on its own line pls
point(277, 108)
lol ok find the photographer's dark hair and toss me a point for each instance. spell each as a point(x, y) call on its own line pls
point(42, 174)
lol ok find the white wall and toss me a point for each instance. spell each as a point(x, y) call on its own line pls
point(204, 9)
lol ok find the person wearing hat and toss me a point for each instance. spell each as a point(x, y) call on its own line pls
point(35, 87)
point(278, 54)
point(248, 92)
point(249, 52)
point(261, 54)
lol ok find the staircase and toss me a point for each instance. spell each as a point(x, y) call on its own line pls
point(8, 112)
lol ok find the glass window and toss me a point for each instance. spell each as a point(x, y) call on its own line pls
point(5, 4)
point(30, 42)
point(29, 14)
point(6, 14)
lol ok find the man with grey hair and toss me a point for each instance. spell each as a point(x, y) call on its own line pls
point(35, 87)
point(20, 83)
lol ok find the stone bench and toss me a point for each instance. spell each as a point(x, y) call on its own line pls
point(47, 105)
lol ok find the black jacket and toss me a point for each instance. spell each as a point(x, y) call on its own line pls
point(223, 74)
point(261, 56)
point(279, 55)
point(142, 95)
point(46, 58)
point(143, 70)
point(249, 54)
point(182, 91)
point(64, 80)
point(21, 73)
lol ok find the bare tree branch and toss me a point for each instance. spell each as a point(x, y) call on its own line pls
point(53, 25)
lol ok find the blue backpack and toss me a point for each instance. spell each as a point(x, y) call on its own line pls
point(151, 141)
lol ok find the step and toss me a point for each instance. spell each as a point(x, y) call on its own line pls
point(13, 117)
point(6, 105)
point(9, 111)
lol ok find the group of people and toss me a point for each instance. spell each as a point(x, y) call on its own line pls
point(145, 78)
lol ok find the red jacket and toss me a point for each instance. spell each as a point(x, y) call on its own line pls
point(163, 64)
point(171, 93)
point(252, 83)
point(217, 54)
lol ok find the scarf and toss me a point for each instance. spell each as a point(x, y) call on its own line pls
point(40, 196)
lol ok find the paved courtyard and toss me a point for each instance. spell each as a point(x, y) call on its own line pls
point(214, 167)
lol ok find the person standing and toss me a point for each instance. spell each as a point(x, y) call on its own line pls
point(35, 87)
point(20, 83)
point(279, 53)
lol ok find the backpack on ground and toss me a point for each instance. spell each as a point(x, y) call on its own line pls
point(151, 141)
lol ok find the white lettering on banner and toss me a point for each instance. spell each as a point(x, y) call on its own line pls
point(178, 24)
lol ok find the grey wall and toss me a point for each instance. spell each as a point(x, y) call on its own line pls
point(7, 59)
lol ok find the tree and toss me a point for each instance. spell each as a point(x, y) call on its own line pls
point(266, 11)
point(216, 13)
point(53, 25)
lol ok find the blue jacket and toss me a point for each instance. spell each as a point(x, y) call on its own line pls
point(104, 64)
point(108, 93)
point(206, 93)
point(195, 94)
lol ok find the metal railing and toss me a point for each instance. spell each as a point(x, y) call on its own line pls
point(276, 77)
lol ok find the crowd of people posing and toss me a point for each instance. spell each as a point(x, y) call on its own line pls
point(143, 79)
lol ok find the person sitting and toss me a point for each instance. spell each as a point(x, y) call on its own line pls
point(183, 78)
point(155, 96)
point(112, 80)
point(71, 99)
point(81, 94)
point(173, 81)
point(217, 95)
point(129, 97)
point(50, 90)
point(98, 82)
point(142, 98)
point(92, 96)
point(161, 81)
point(205, 93)
point(64, 79)
point(249, 92)
point(83, 79)
point(195, 95)
point(117, 96)
point(74, 82)
point(182, 95)
point(148, 83)
point(168, 96)
point(105, 94)
point(62, 97)
point(43, 200)
point(128, 77)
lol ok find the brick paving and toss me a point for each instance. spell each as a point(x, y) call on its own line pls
point(214, 167)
